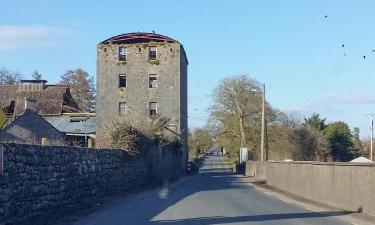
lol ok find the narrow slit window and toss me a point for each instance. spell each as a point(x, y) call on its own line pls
point(153, 81)
point(122, 109)
point(152, 53)
point(122, 54)
point(153, 108)
point(122, 81)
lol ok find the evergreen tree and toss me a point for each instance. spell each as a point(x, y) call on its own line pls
point(340, 141)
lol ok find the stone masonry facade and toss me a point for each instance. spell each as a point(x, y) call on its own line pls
point(40, 183)
point(170, 93)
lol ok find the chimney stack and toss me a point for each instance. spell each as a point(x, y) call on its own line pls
point(30, 104)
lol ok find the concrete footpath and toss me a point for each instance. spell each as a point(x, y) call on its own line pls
point(215, 196)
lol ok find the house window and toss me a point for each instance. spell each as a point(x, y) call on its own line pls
point(153, 108)
point(122, 54)
point(153, 81)
point(122, 80)
point(152, 53)
point(122, 108)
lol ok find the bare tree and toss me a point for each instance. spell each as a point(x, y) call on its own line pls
point(82, 88)
point(279, 135)
point(291, 119)
point(9, 77)
point(125, 133)
point(310, 144)
point(36, 75)
point(235, 122)
point(236, 111)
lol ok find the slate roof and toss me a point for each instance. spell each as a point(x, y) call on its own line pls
point(50, 99)
point(137, 37)
point(73, 124)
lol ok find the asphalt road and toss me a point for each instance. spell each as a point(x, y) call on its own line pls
point(213, 197)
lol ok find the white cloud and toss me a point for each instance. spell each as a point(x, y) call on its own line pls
point(336, 103)
point(35, 37)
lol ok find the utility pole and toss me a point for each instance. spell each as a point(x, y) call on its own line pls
point(372, 134)
point(263, 155)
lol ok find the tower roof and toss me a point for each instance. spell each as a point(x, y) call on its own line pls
point(138, 37)
point(142, 37)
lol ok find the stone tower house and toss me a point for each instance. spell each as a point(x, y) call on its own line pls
point(142, 74)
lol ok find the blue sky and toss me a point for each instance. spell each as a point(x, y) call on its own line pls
point(288, 45)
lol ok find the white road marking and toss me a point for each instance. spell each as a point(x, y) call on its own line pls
point(284, 200)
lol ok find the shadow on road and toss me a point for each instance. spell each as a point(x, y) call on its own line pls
point(254, 218)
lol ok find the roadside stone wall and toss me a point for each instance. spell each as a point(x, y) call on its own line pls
point(348, 186)
point(44, 182)
point(256, 169)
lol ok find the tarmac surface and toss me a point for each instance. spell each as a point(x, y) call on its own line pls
point(215, 196)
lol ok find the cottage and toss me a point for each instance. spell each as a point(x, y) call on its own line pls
point(31, 128)
point(52, 103)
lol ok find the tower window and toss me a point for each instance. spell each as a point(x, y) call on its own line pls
point(122, 54)
point(152, 53)
point(153, 81)
point(153, 108)
point(122, 80)
point(122, 108)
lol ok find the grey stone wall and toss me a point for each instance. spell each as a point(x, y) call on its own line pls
point(348, 186)
point(44, 182)
point(184, 106)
